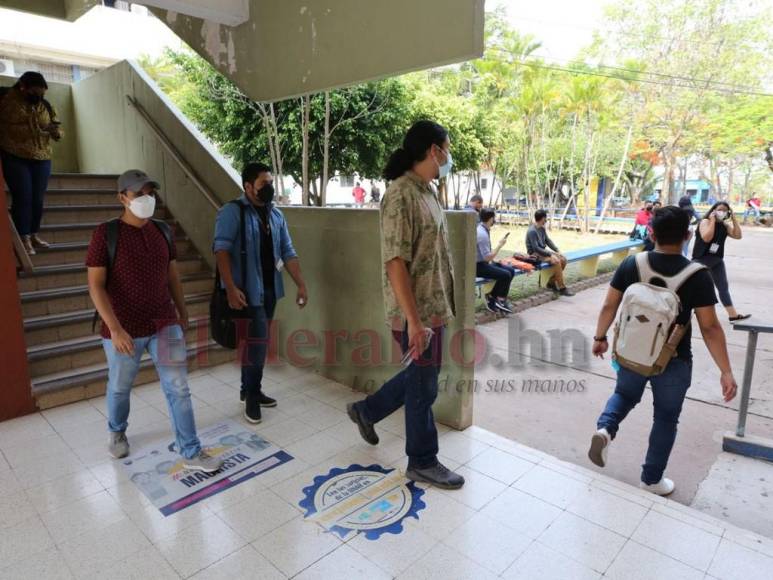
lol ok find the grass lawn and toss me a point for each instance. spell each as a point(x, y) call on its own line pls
point(566, 240)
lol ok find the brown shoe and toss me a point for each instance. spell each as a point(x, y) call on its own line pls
point(28, 245)
point(38, 243)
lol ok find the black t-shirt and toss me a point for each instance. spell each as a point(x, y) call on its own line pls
point(266, 249)
point(702, 250)
point(696, 292)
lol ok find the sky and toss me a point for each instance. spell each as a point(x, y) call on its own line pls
point(563, 26)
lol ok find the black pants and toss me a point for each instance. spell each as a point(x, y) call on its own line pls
point(719, 275)
point(501, 274)
point(27, 181)
point(257, 346)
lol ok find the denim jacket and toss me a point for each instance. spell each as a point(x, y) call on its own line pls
point(228, 238)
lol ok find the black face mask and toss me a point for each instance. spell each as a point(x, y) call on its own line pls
point(265, 194)
point(33, 99)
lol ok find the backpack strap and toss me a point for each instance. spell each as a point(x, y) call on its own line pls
point(675, 282)
point(111, 236)
point(167, 233)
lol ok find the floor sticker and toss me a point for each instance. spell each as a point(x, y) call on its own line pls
point(158, 470)
point(370, 500)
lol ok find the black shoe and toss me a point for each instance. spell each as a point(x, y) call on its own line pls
point(504, 307)
point(438, 475)
point(551, 285)
point(252, 409)
point(265, 400)
point(367, 430)
point(565, 292)
point(491, 305)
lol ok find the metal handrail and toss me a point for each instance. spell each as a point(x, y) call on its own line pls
point(751, 347)
point(172, 150)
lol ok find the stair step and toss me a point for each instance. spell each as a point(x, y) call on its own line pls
point(82, 181)
point(72, 252)
point(77, 231)
point(71, 214)
point(89, 381)
point(73, 353)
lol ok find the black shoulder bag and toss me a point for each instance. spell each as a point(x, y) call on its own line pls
point(222, 318)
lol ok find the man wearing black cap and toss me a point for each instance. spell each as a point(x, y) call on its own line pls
point(135, 286)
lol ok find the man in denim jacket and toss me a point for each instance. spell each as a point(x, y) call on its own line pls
point(269, 251)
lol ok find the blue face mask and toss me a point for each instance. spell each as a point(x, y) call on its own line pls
point(445, 169)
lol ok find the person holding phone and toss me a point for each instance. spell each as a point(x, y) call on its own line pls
point(418, 281)
point(487, 267)
point(717, 225)
point(28, 124)
point(540, 246)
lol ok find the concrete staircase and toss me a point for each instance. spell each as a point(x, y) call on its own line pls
point(66, 359)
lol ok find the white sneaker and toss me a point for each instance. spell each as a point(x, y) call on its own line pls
point(599, 444)
point(664, 487)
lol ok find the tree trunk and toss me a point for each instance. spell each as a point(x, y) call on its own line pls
point(325, 154)
point(608, 200)
point(305, 112)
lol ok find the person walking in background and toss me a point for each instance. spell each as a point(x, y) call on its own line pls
point(486, 267)
point(28, 123)
point(717, 225)
point(540, 246)
point(135, 286)
point(375, 192)
point(256, 291)
point(475, 204)
point(669, 387)
point(753, 205)
point(359, 194)
point(685, 204)
point(641, 221)
point(418, 282)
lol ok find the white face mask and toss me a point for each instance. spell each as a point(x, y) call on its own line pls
point(143, 206)
point(445, 169)
point(721, 215)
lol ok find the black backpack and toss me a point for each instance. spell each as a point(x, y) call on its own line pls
point(111, 234)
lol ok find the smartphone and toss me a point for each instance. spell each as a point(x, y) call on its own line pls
point(408, 356)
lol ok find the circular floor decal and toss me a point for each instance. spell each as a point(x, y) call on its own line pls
point(372, 500)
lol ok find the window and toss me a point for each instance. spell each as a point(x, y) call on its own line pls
point(484, 183)
point(346, 180)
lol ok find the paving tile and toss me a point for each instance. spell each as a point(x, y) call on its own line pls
point(258, 514)
point(97, 550)
point(500, 465)
point(459, 447)
point(23, 540)
point(287, 432)
point(296, 545)
point(607, 510)
point(488, 543)
point(47, 565)
point(317, 448)
point(201, 546)
point(478, 489)
point(344, 563)
point(735, 562)
point(147, 563)
point(522, 512)
point(442, 514)
point(551, 486)
point(394, 553)
point(244, 564)
point(637, 562)
point(446, 563)
point(684, 542)
point(589, 544)
point(539, 561)
point(14, 509)
point(90, 513)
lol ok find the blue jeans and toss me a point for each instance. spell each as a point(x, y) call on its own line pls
point(668, 392)
point(254, 358)
point(751, 211)
point(27, 181)
point(416, 387)
point(167, 349)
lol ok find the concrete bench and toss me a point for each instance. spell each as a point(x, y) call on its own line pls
point(588, 259)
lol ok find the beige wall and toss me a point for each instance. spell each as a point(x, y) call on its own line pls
point(66, 9)
point(294, 47)
point(339, 248)
point(65, 152)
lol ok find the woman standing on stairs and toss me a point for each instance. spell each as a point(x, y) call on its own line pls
point(27, 124)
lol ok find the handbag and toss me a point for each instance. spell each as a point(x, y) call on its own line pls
point(225, 322)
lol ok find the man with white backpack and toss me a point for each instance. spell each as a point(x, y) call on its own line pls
point(651, 298)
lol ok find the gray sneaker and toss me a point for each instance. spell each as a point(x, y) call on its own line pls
point(203, 462)
point(118, 445)
point(438, 475)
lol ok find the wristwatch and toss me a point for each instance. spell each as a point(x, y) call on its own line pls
point(600, 338)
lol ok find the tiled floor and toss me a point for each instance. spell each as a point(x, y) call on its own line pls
point(67, 510)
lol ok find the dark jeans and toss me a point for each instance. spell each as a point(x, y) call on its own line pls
point(27, 181)
point(257, 345)
point(719, 275)
point(668, 392)
point(501, 273)
point(416, 387)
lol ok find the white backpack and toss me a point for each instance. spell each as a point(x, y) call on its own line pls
point(646, 335)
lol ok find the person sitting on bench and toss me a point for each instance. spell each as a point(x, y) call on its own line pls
point(539, 245)
point(486, 267)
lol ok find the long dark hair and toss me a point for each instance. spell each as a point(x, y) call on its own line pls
point(420, 137)
point(713, 207)
point(33, 78)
